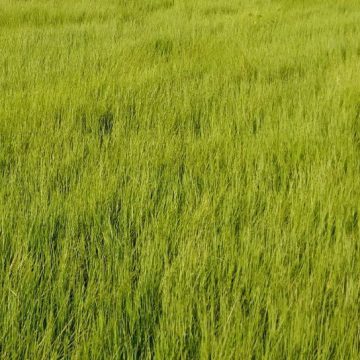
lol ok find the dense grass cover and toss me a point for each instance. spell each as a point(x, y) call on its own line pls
point(179, 179)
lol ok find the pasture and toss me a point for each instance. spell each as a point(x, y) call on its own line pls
point(179, 179)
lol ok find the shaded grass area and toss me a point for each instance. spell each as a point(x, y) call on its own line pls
point(179, 179)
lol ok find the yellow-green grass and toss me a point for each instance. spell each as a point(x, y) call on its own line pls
point(179, 179)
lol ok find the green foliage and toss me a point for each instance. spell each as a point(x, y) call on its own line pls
point(179, 179)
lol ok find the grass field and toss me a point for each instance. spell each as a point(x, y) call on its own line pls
point(179, 179)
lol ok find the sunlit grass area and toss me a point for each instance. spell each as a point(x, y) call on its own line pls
point(179, 179)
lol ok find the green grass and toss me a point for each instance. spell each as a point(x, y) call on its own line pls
point(179, 179)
